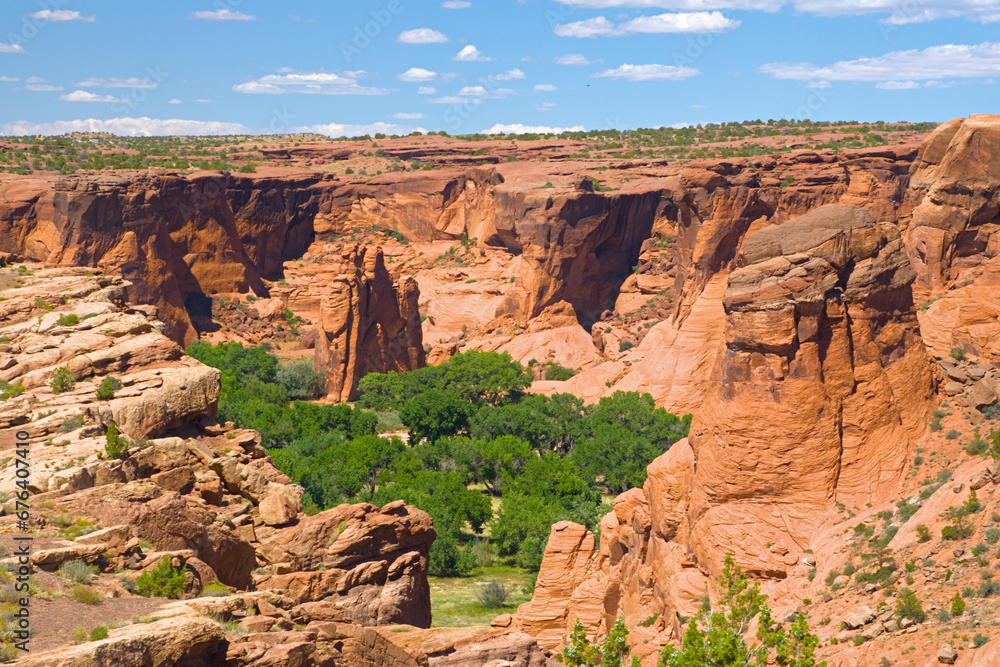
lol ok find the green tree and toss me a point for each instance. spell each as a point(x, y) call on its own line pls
point(435, 414)
point(301, 381)
point(612, 651)
point(716, 638)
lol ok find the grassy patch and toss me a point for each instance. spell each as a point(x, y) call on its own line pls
point(456, 604)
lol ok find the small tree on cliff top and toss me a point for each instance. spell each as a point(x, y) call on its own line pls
point(716, 638)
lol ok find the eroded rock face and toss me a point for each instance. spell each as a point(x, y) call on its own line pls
point(367, 323)
point(954, 238)
point(823, 385)
point(817, 396)
point(372, 563)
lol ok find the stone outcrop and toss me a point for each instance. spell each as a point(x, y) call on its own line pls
point(371, 563)
point(367, 323)
point(954, 239)
point(821, 389)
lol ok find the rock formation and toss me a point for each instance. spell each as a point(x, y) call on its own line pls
point(821, 389)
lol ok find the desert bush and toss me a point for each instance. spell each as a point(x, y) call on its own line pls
point(980, 640)
point(62, 380)
point(70, 424)
point(68, 320)
point(908, 605)
point(84, 594)
point(923, 533)
point(77, 571)
point(215, 590)
point(79, 635)
point(162, 581)
point(494, 594)
point(957, 605)
point(106, 390)
point(115, 446)
point(99, 633)
point(554, 371)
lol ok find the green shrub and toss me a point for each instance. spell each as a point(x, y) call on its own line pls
point(992, 535)
point(554, 371)
point(980, 640)
point(215, 590)
point(952, 434)
point(70, 424)
point(908, 605)
point(62, 380)
point(84, 594)
point(494, 594)
point(625, 346)
point(162, 581)
point(99, 633)
point(79, 635)
point(68, 320)
point(108, 387)
point(77, 571)
point(115, 446)
point(958, 353)
point(957, 605)
point(988, 589)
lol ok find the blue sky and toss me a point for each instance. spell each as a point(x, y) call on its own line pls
point(344, 67)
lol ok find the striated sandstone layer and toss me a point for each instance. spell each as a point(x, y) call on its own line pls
point(953, 236)
point(817, 397)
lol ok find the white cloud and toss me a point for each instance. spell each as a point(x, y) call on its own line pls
point(483, 91)
point(407, 116)
point(937, 62)
point(417, 74)
point(204, 101)
point(309, 83)
point(509, 75)
point(518, 128)
point(682, 23)
point(421, 36)
point(899, 13)
point(598, 26)
point(574, 59)
point(544, 88)
point(681, 5)
point(61, 15)
point(471, 54)
point(897, 85)
point(115, 82)
point(678, 23)
point(11, 48)
point(9, 78)
point(649, 73)
point(175, 101)
point(84, 96)
point(42, 87)
point(456, 4)
point(339, 130)
point(427, 90)
point(546, 106)
point(125, 127)
point(222, 15)
point(820, 85)
point(455, 99)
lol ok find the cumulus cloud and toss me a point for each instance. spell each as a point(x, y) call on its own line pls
point(222, 15)
point(417, 74)
point(574, 59)
point(509, 75)
point(649, 73)
point(598, 26)
point(471, 54)
point(937, 62)
point(175, 101)
point(84, 96)
point(61, 15)
point(427, 90)
point(11, 48)
point(116, 82)
point(407, 116)
point(544, 88)
point(681, 23)
point(518, 128)
point(125, 127)
point(421, 36)
point(675, 23)
point(899, 13)
point(455, 99)
point(346, 130)
point(456, 4)
point(309, 83)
